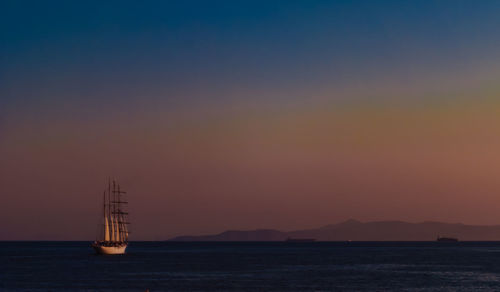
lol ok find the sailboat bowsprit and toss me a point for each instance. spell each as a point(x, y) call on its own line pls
point(115, 232)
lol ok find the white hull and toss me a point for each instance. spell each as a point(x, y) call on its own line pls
point(120, 249)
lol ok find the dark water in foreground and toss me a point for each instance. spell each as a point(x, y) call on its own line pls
point(278, 266)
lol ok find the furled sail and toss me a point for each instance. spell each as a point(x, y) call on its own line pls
point(117, 230)
point(124, 228)
point(120, 228)
point(125, 232)
point(113, 238)
point(106, 229)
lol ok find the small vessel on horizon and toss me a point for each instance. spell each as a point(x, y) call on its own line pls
point(290, 239)
point(446, 239)
point(114, 236)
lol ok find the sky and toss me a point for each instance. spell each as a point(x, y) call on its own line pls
point(218, 115)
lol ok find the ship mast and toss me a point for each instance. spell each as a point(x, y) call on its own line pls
point(123, 223)
point(119, 215)
point(115, 221)
point(110, 214)
point(122, 233)
point(105, 223)
point(115, 231)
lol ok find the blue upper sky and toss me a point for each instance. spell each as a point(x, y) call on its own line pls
point(165, 47)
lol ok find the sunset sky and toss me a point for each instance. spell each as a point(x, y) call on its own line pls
point(219, 115)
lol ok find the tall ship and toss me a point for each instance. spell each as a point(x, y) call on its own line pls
point(114, 236)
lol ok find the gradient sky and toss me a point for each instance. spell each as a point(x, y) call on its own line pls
point(220, 115)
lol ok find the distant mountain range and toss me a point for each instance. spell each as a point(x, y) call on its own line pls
point(358, 231)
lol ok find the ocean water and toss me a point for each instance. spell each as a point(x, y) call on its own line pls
point(252, 266)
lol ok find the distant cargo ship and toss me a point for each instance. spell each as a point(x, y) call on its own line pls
point(289, 239)
point(446, 239)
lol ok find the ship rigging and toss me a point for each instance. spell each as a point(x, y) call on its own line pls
point(115, 231)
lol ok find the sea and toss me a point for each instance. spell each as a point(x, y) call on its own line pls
point(252, 266)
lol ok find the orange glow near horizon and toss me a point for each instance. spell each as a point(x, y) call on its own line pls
point(284, 169)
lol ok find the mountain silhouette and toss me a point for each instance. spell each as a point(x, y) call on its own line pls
point(358, 231)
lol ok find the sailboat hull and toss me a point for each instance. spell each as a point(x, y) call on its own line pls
point(119, 249)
